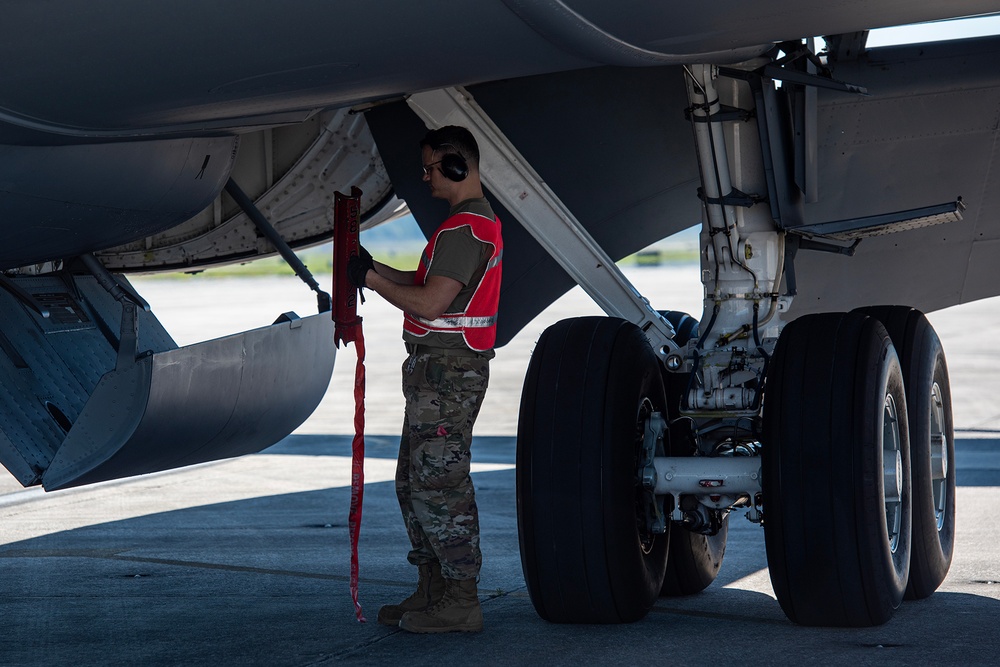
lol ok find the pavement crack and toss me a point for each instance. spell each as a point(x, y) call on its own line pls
point(106, 554)
point(719, 616)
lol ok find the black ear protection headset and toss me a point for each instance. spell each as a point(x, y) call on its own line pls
point(453, 165)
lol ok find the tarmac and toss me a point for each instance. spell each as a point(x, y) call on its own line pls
point(246, 561)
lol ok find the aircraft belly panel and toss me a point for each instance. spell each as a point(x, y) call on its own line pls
point(71, 413)
point(217, 399)
point(139, 68)
point(50, 366)
point(62, 201)
point(926, 135)
point(28, 434)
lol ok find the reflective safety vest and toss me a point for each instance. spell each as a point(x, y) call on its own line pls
point(478, 322)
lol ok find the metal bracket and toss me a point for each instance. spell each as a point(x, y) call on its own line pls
point(524, 193)
point(886, 223)
point(106, 279)
point(822, 246)
point(24, 296)
point(846, 47)
point(734, 198)
point(778, 71)
point(726, 114)
point(128, 337)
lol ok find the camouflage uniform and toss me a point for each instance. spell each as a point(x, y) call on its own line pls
point(443, 395)
point(444, 383)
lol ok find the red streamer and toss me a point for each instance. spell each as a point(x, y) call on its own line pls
point(346, 227)
point(357, 467)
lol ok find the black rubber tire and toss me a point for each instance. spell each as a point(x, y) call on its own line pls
point(825, 513)
point(584, 555)
point(693, 559)
point(685, 326)
point(928, 405)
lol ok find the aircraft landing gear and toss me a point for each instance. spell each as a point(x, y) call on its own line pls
point(694, 559)
point(932, 444)
point(586, 547)
point(639, 434)
point(837, 511)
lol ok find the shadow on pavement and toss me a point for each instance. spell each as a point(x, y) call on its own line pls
point(264, 581)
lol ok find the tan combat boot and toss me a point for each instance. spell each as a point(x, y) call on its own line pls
point(458, 611)
point(430, 589)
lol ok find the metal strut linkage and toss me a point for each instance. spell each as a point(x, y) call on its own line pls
point(523, 192)
point(742, 253)
point(129, 299)
point(323, 300)
point(742, 258)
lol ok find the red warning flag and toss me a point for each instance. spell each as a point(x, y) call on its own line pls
point(346, 227)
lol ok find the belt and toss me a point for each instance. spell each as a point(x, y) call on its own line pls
point(414, 348)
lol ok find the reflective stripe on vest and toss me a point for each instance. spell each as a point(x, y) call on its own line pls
point(456, 322)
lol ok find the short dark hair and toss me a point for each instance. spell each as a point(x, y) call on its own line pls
point(458, 139)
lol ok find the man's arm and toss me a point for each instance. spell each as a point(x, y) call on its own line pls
point(395, 275)
point(428, 301)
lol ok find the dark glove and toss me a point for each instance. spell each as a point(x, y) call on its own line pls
point(358, 267)
point(365, 255)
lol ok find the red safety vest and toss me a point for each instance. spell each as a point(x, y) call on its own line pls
point(478, 322)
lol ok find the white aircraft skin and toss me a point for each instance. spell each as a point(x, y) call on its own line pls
point(866, 180)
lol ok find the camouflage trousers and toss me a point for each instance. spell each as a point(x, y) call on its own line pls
point(433, 483)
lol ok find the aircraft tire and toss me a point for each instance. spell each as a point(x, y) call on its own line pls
point(693, 559)
point(590, 383)
point(685, 326)
point(834, 411)
point(932, 440)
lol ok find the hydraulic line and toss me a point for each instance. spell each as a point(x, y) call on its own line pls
point(720, 182)
point(773, 307)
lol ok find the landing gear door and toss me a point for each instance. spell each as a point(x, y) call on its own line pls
point(217, 399)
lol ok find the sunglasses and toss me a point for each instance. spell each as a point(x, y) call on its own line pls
point(427, 167)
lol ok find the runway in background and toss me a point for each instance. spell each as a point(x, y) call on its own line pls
point(199, 309)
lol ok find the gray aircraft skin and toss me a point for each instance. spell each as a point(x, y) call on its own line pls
point(101, 125)
point(122, 123)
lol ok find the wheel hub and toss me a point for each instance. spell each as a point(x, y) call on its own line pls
point(650, 512)
point(939, 457)
point(892, 471)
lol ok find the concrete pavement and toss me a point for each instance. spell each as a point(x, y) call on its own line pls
point(246, 562)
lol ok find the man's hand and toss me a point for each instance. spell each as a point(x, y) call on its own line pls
point(366, 256)
point(358, 267)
